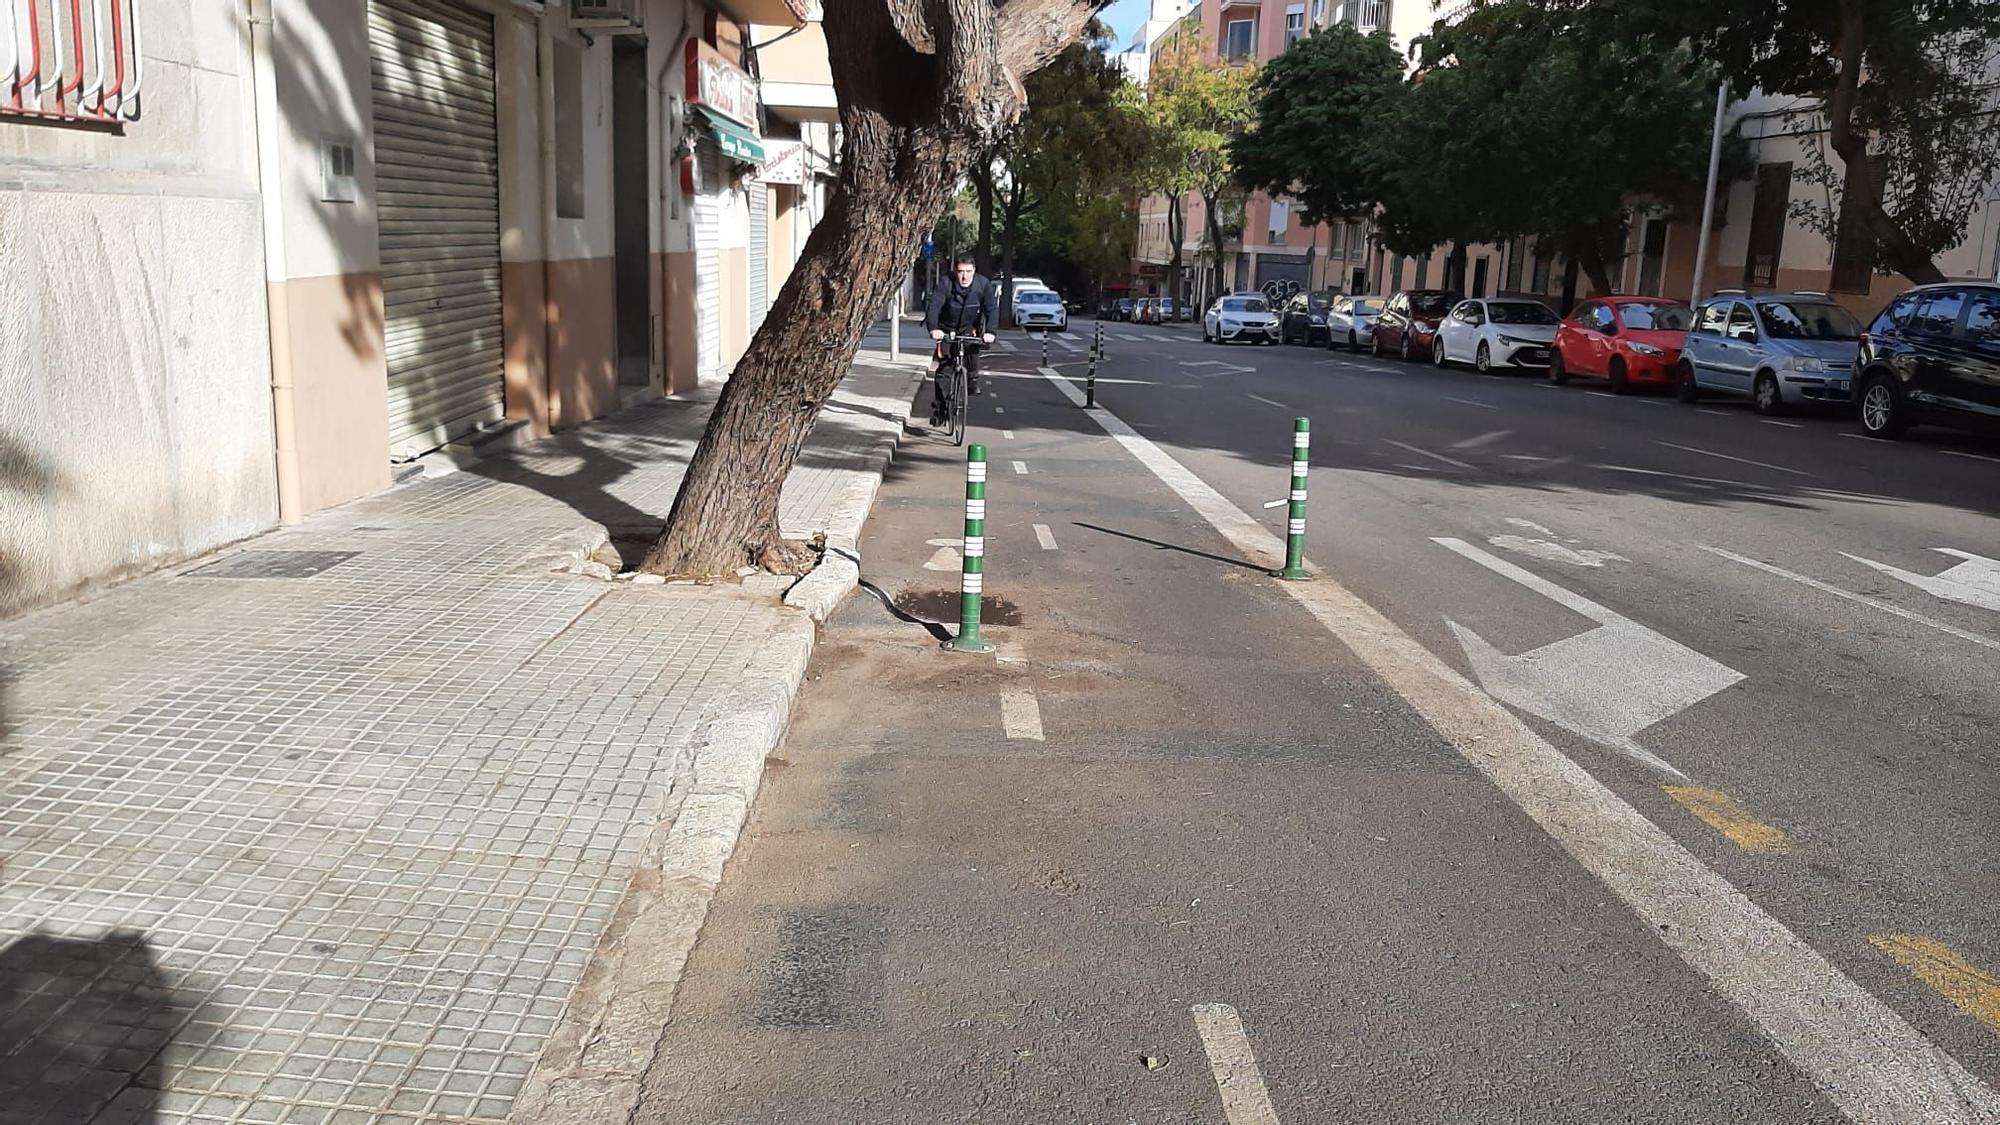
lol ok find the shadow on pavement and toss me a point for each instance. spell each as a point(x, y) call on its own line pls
point(1165, 546)
point(83, 1024)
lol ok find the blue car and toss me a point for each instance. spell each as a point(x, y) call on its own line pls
point(1779, 350)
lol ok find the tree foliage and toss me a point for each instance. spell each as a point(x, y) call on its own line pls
point(1903, 93)
point(1194, 108)
point(1313, 105)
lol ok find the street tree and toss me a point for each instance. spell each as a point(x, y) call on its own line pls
point(1195, 106)
point(1905, 93)
point(923, 87)
point(1313, 106)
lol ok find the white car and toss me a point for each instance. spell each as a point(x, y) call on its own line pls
point(1240, 316)
point(1040, 309)
point(1496, 335)
point(1350, 322)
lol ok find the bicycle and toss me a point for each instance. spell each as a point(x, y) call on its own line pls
point(952, 383)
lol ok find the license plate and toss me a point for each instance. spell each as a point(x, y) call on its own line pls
point(1837, 384)
point(1536, 353)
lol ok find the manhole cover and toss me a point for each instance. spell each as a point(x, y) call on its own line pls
point(942, 605)
point(273, 564)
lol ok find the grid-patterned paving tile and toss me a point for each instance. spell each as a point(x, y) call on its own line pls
point(337, 846)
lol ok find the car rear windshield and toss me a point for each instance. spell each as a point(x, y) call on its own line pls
point(1244, 304)
point(1808, 320)
point(1429, 303)
point(1665, 318)
point(1520, 312)
point(1039, 297)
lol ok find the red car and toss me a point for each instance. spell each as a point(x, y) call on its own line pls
point(1410, 320)
point(1632, 341)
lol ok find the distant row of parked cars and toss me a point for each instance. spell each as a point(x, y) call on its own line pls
point(1144, 310)
point(1931, 356)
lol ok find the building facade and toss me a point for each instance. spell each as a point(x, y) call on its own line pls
point(271, 255)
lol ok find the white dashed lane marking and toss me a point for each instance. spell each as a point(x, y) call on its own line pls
point(1045, 537)
point(1021, 467)
point(1245, 1101)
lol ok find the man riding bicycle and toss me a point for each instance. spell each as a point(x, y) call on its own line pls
point(970, 302)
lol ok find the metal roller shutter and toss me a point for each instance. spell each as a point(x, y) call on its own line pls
point(709, 201)
point(760, 254)
point(437, 162)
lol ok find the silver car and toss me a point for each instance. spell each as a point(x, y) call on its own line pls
point(1777, 349)
point(1350, 323)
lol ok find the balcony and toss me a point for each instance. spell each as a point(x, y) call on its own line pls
point(797, 80)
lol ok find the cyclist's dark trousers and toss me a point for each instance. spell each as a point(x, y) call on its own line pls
point(971, 354)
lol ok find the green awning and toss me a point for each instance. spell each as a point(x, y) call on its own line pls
point(736, 142)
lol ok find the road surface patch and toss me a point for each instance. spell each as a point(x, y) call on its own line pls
point(1979, 639)
point(1970, 989)
point(1733, 457)
point(1720, 811)
point(1021, 715)
point(1245, 1101)
point(1869, 1061)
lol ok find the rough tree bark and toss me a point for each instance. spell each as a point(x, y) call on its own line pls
point(1894, 247)
point(1209, 205)
point(1015, 204)
point(1176, 234)
point(923, 85)
point(1454, 266)
point(982, 186)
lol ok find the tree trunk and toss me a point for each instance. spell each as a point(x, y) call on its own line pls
point(1569, 284)
point(1594, 267)
point(1214, 224)
point(1176, 234)
point(1895, 248)
point(1454, 266)
point(923, 86)
point(982, 184)
point(1015, 198)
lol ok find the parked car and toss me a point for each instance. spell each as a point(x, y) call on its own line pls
point(1933, 355)
point(1163, 311)
point(1495, 335)
point(1780, 349)
point(1040, 308)
point(1123, 310)
point(1240, 316)
point(1142, 312)
point(1631, 341)
point(1409, 319)
point(1351, 322)
point(1304, 318)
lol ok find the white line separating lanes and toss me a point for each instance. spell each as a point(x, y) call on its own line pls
point(1733, 457)
point(1270, 402)
point(1439, 457)
point(1245, 1101)
point(1865, 1057)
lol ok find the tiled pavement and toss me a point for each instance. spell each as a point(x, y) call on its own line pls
point(325, 829)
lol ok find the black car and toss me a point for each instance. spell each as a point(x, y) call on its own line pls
point(1304, 319)
point(1932, 356)
point(1125, 308)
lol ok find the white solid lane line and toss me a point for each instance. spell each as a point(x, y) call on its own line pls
point(1045, 537)
point(1479, 440)
point(1471, 402)
point(1241, 1084)
point(1674, 476)
point(1717, 413)
point(1600, 394)
point(1270, 402)
point(1021, 468)
point(1651, 402)
point(1021, 716)
point(1867, 1059)
point(1972, 456)
point(1860, 599)
point(1427, 453)
point(1738, 460)
point(1787, 425)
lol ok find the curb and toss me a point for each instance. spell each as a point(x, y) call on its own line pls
point(593, 1067)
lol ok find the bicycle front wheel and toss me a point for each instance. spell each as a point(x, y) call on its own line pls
point(957, 405)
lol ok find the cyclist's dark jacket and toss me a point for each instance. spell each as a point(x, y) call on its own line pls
point(956, 308)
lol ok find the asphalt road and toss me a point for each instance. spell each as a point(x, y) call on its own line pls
point(1738, 865)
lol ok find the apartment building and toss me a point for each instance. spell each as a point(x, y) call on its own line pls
point(266, 256)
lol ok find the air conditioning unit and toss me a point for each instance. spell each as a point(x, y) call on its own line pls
point(609, 17)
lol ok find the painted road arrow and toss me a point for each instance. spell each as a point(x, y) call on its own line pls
point(1607, 684)
point(1976, 581)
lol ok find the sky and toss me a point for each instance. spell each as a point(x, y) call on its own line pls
point(1125, 16)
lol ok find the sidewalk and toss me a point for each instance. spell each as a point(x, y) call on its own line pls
point(363, 820)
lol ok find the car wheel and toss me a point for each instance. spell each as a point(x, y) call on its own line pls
point(1353, 343)
point(1205, 337)
point(1882, 412)
point(1619, 384)
point(1437, 352)
point(1483, 359)
point(1558, 374)
point(1764, 394)
point(1685, 387)
point(1403, 349)
point(1375, 345)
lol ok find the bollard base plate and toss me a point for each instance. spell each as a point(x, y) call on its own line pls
point(974, 647)
point(1292, 574)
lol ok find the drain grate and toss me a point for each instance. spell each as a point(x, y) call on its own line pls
point(273, 564)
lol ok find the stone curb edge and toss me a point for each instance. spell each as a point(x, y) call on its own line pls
point(593, 1066)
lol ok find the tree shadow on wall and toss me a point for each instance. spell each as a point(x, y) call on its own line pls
point(83, 1026)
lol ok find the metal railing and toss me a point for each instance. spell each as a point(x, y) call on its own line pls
point(70, 60)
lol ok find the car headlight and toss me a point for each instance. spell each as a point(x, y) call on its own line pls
point(1805, 363)
point(1228, 323)
point(1509, 340)
point(1647, 349)
point(1317, 319)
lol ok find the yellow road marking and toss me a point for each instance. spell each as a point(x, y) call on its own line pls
point(1721, 812)
point(1970, 989)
